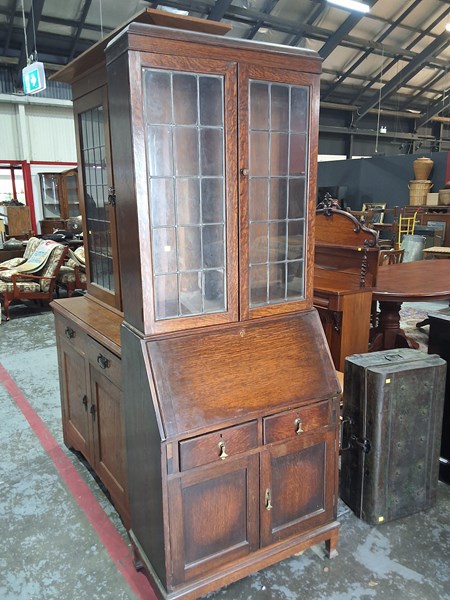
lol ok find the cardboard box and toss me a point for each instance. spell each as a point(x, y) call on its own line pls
point(432, 199)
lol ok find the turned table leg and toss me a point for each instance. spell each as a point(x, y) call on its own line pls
point(388, 333)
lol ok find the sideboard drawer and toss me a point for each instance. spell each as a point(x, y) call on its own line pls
point(70, 332)
point(296, 422)
point(107, 362)
point(218, 446)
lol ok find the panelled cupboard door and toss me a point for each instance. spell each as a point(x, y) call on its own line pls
point(277, 154)
point(97, 197)
point(108, 435)
point(213, 514)
point(76, 418)
point(297, 486)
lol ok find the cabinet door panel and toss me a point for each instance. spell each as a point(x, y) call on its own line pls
point(213, 516)
point(109, 442)
point(74, 398)
point(298, 481)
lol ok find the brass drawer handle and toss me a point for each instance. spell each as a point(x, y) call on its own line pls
point(69, 333)
point(103, 362)
point(268, 500)
point(298, 426)
point(222, 454)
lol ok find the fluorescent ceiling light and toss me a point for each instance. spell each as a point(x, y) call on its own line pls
point(351, 5)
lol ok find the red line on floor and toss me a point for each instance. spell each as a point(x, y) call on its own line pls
point(108, 534)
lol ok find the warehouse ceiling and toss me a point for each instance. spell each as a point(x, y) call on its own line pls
point(393, 58)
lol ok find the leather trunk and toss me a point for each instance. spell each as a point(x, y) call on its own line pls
point(392, 422)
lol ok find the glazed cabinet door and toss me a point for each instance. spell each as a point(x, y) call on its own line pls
point(297, 486)
point(277, 159)
point(74, 392)
point(97, 198)
point(213, 514)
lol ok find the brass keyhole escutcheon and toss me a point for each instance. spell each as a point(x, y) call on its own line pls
point(268, 500)
point(298, 426)
point(222, 454)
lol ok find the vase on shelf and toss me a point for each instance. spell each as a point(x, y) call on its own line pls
point(422, 167)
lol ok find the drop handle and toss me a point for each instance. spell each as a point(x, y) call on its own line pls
point(69, 333)
point(245, 172)
point(268, 500)
point(103, 362)
point(298, 426)
point(222, 454)
point(84, 401)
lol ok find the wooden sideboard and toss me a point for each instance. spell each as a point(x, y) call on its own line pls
point(88, 342)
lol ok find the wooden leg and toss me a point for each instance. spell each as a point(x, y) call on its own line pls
point(331, 544)
point(388, 334)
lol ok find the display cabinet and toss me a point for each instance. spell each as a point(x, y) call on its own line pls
point(59, 195)
point(229, 392)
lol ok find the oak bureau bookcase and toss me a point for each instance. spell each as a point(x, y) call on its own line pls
point(229, 395)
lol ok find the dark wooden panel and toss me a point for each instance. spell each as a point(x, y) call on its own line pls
point(242, 370)
point(214, 517)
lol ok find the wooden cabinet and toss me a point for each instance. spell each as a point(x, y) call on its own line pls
point(92, 407)
point(59, 195)
point(230, 395)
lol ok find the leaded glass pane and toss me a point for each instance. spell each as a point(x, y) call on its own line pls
point(186, 174)
point(278, 139)
point(96, 194)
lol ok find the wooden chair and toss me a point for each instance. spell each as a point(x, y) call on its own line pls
point(390, 257)
point(72, 275)
point(17, 285)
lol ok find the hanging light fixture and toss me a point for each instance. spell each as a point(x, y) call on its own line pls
point(351, 5)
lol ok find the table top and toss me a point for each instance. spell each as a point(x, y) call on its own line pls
point(437, 250)
point(417, 281)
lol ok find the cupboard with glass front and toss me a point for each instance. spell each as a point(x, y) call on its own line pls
point(230, 398)
point(230, 395)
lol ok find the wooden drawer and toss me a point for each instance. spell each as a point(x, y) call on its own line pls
point(71, 333)
point(218, 446)
point(105, 361)
point(295, 423)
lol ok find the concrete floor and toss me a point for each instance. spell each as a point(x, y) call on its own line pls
point(60, 538)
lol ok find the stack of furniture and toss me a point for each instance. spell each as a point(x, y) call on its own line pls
point(345, 271)
point(222, 374)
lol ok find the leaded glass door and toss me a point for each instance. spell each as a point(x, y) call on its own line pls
point(275, 178)
point(98, 199)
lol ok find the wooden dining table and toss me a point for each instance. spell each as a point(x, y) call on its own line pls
point(417, 281)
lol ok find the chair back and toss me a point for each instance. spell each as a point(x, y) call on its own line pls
point(52, 267)
point(391, 257)
point(31, 246)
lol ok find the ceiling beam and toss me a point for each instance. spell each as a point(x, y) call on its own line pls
point(10, 26)
point(219, 9)
point(367, 53)
point(334, 40)
point(268, 8)
point(81, 22)
point(315, 13)
point(436, 108)
point(386, 68)
point(409, 71)
point(34, 16)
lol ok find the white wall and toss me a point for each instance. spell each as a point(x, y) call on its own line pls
point(36, 129)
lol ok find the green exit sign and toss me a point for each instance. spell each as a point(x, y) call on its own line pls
point(33, 78)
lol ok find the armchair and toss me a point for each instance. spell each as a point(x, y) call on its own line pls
point(29, 284)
